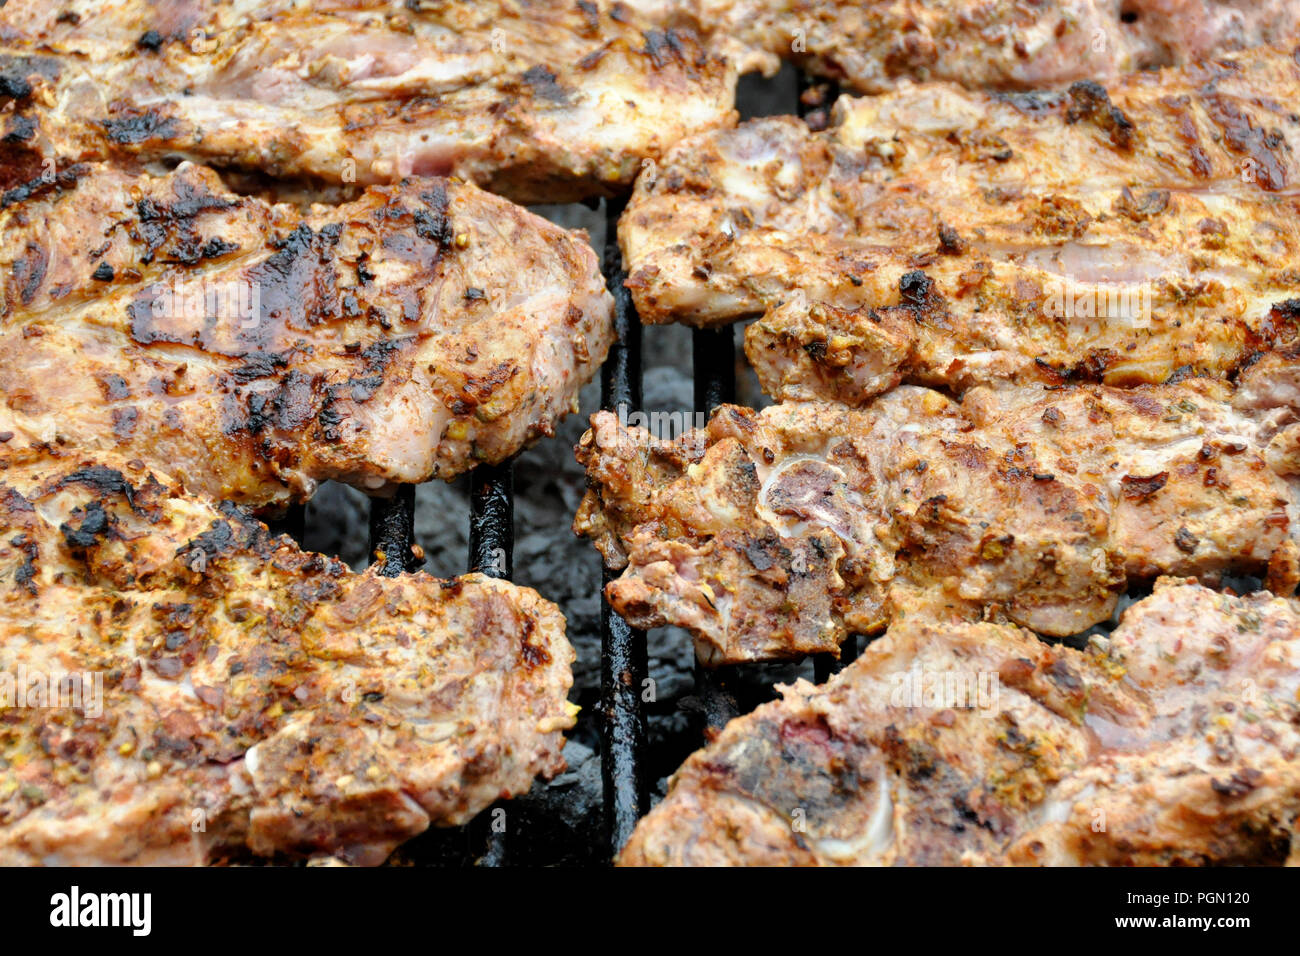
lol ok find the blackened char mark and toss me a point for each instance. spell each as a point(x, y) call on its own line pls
point(434, 224)
point(915, 289)
point(375, 359)
point(918, 296)
point(16, 72)
point(236, 531)
point(103, 480)
point(161, 221)
point(1242, 137)
point(140, 126)
point(216, 247)
point(284, 410)
point(543, 83)
point(297, 285)
point(94, 525)
point(1090, 101)
point(21, 129)
point(12, 501)
point(25, 576)
point(590, 15)
point(29, 271)
point(62, 179)
point(259, 365)
point(662, 45)
point(14, 87)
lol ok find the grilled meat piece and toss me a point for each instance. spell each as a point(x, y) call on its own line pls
point(251, 351)
point(1172, 741)
point(236, 694)
point(773, 534)
point(540, 102)
point(873, 46)
point(945, 237)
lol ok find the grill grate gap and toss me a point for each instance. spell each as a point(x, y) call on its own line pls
point(623, 663)
point(714, 355)
point(623, 649)
point(492, 553)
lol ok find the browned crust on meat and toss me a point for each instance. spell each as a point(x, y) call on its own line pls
point(252, 351)
point(288, 705)
point(541, 102)
point(943, 237)
point(775, 533)
point(1172, 742)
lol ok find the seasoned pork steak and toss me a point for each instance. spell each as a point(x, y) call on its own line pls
point(237, 694)
point(1172, 741)
point(773, 534)
point(874, 45)
point(950, 238)
point(542, 102)
point(251, 351)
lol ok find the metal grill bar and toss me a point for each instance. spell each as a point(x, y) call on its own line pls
point(392, 532)
point(492, 553)
point(714, 355)
point(492, 520)
point(623, 665)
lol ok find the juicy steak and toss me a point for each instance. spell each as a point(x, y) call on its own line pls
point(251, 351)
point(542, 102)
point(235, 694)
point(950, 238)
point(1172, 741)
point(774, 534)
point(873, 46)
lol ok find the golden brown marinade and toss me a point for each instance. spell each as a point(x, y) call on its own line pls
point(180, 686)
point(252, 350)
point(774, 534)
point(1172, 741)
point(1123, 234)
point(541, 102)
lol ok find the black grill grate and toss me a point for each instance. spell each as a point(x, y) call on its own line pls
point(491, 552)
point(392, 533)
point(714, 356)
point(623, 649)
point(623, 672)
point(623, 667)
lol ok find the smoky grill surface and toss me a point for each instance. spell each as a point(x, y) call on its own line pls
point(634, 742)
